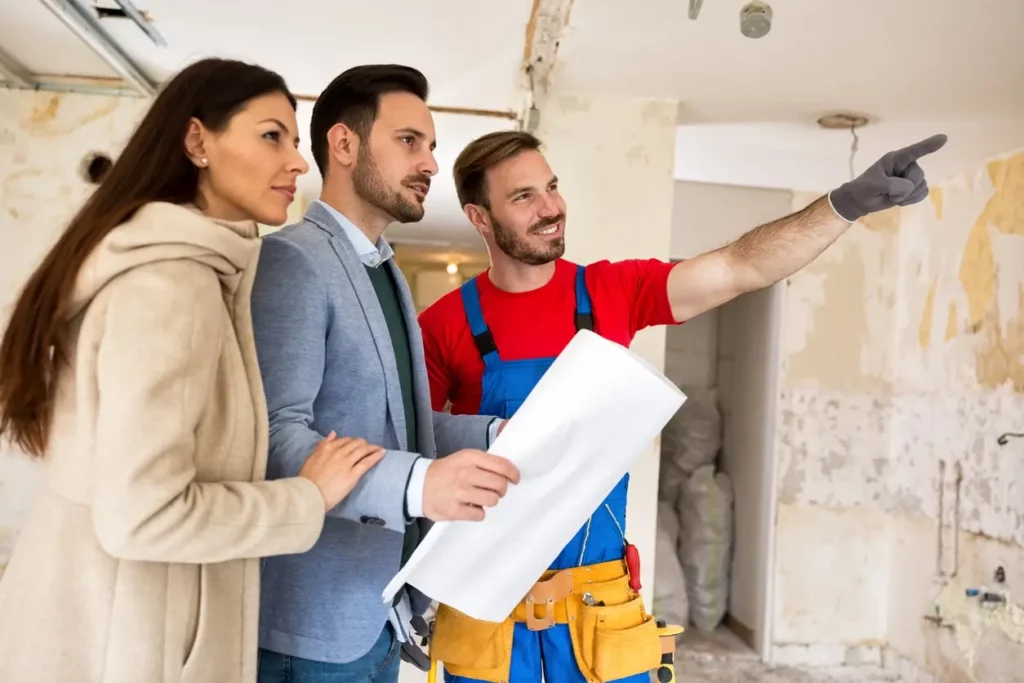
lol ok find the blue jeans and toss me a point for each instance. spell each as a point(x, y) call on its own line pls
point(379, 665)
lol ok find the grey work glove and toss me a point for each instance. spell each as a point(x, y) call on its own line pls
point(893, 180)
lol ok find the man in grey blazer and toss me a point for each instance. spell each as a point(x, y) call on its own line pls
point(340, 349)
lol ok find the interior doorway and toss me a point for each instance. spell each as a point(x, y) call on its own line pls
point(717, 482)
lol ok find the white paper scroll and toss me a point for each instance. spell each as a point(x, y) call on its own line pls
point(595, 411)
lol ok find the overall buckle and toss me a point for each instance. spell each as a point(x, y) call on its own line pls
point(547, 593)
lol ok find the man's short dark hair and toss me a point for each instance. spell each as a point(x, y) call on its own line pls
point(353, 98)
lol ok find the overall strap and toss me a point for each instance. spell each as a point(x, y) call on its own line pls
point(474, 314)
point(584, 313)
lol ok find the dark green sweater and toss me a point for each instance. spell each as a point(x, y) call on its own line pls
point(387, 294)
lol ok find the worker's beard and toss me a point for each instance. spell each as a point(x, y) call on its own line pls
point(521, 249)
point(369, 185)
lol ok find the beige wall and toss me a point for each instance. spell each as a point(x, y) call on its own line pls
point(902, 348)
point(735, 348)
point(619, 195)
point(43, 139)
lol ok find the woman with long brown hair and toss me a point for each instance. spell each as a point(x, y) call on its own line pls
point(128, 369)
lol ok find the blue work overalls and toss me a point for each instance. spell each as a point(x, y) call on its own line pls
point(506, 385)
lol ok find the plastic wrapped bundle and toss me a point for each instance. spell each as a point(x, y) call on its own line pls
point(705, 544)
point(670, 601)
point(693, 437)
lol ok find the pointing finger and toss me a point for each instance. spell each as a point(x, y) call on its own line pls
point(902, 158)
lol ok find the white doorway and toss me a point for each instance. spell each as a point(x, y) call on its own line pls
point(718, 474)
point(717, 486)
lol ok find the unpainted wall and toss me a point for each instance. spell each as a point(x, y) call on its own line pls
point(902, 364)
point(43, 139)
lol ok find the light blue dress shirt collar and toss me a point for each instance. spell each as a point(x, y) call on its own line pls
point(370, 254)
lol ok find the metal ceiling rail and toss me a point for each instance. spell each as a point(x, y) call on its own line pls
point(14, 72)
point(133, 81)
point(87, 27)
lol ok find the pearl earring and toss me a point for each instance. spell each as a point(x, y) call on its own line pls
point(204, 161)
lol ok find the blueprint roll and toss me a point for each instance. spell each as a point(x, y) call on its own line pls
point(596, 410)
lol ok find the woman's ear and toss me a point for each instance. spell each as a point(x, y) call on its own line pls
point(195, 143)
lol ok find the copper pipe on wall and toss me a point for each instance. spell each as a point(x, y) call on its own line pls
point(440, 109)
point(942, 506)
point(956, 518)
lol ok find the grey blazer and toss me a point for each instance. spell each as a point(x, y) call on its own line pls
point(327, 362)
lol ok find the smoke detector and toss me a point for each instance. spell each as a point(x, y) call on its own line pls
point(755, 19)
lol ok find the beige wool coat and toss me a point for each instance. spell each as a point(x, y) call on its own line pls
point(138, 562)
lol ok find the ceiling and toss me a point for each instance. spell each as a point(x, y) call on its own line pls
point(893, 59)
point(906, 64)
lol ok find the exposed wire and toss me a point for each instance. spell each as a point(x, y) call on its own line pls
point(853, 147)
point(1004, 438)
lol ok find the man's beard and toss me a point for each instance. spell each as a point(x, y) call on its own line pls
point(370, 187)
point(518, 248)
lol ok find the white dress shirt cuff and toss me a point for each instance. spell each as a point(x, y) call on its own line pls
point(492, 430)
point(414, 493)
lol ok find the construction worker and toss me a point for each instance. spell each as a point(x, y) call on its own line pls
point(489, 343)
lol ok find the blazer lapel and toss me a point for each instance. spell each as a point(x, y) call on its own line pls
point(420, 381)
point(367, 297)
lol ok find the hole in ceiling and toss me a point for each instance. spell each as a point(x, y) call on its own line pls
point(111, 12)
point(95, 166)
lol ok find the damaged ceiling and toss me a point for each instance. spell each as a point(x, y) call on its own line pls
point(898, 62)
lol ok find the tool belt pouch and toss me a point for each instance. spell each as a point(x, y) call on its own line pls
point(471, 648)
point(615, 641)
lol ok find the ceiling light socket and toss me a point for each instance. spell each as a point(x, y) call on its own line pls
point(755, 19)
point(843, 121)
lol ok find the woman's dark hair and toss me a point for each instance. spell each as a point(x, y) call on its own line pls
point(152, 167)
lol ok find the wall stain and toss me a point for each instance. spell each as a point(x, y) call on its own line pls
point(883, 221)
point(978, 273)
point(924, 334)
point(935, 195)
point(951, 322)
point(44, 114)
point(45, 120)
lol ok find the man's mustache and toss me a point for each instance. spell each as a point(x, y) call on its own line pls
point(541, 224)
point(417, 180)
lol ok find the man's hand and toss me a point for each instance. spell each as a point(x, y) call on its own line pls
point(778, 249)
point(893, 180)
point(460, 486)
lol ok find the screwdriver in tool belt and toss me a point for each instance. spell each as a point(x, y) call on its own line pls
point(633, 566)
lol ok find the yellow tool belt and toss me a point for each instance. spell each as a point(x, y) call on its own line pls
point(612, 635)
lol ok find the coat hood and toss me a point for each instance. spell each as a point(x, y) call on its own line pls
point(161, 231)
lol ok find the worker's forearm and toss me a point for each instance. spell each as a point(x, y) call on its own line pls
point(776, 250)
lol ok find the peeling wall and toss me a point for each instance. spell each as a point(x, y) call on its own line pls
point(903, 348)
point(43, 140)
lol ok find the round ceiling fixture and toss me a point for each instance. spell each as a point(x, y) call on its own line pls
point(843, 121)
point(756, 19)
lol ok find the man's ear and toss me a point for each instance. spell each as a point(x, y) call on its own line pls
point(479, 217)
point(343, 144)
point(195, 143)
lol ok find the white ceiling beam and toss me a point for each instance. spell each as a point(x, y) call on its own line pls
point(548, 21)
point(83, 24)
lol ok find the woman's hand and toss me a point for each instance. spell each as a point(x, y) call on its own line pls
point(337, 465)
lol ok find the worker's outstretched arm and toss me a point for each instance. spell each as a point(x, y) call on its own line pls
point(776, 250)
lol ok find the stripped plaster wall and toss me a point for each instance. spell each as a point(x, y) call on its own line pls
point(902, 362)
point(43, 139)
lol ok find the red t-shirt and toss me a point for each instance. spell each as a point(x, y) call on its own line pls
point(625, 296)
